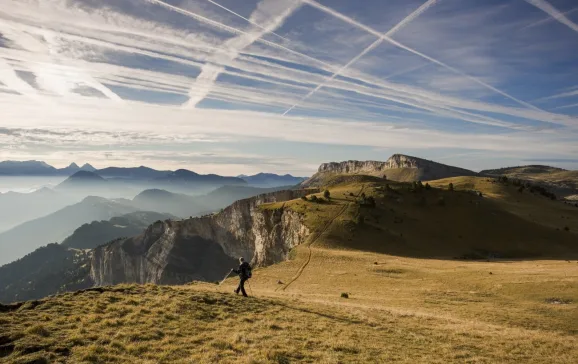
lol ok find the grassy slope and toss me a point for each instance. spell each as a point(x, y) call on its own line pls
point(400, 309)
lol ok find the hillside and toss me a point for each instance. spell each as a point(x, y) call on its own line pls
point(429, 275)
point(48, 270)
point(17, 208)
point(398, 167)
point(560, 181)
point(24, 238)
point(95, 233)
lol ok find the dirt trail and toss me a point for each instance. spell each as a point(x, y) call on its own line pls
point(317, 236)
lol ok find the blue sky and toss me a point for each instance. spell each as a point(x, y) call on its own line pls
point(230, 86)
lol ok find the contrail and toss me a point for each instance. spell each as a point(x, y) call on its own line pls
point(548, 19)
point(566, 107)
point(380, 40)
point(554, 13)
point(335, 74)
point(214, 66)
point(390, 40)
point(234, 30)
point(248, 20)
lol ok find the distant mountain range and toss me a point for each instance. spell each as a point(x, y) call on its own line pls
point(142, 173)
point(38, 168)
point(271, 180)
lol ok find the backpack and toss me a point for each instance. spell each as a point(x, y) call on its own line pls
point(248, 271)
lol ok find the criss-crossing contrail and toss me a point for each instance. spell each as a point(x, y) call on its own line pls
point(248, 20)
point(554, 13)
point(372, 46)
point(215, 64)
point(233, 30)
point(411, 50)
point(549, 18)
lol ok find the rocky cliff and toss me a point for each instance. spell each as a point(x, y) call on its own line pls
point(398, 167)
point(204, 248)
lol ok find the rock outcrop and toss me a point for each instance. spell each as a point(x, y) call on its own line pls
point(204, 248)
point(398, 167)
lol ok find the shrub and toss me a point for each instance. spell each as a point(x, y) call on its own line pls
point(566, 228)
point(451, 187)
point(384, 177)
point(480, 194)
point(344, 295)
point(304, 198)
point(370, 201)
point(427, 186)
point(351, 194)
point(327, 194)
point(313, 198)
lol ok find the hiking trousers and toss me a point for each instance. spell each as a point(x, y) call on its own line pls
point(241, 287)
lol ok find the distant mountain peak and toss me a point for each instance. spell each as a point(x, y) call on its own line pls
point(88, 167)
point(73, 166)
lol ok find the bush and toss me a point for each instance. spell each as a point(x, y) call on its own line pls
point(427, 186)
point(327, 194)
point(344, 295)
point(451, 187)
point(351, 194)
point(313, 198)
point(304, 198)
point(566, 228)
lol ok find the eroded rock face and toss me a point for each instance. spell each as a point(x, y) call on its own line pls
point(205, 248)
point(395, 168)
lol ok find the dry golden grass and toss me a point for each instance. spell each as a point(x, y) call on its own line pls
point(400, 308)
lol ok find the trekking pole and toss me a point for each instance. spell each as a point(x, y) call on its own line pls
point(227, 276)
point(250, 289)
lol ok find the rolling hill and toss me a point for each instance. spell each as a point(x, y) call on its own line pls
point(560, 181)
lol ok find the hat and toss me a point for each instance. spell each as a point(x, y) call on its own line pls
point(241, 259)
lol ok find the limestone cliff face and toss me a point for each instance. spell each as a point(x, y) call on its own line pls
point(205, 248)
point(398, 167)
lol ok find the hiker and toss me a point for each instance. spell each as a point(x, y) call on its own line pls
point(244, 273)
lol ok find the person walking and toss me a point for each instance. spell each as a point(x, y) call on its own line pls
point(244, 273)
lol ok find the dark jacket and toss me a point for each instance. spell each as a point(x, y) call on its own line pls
point(243, 270)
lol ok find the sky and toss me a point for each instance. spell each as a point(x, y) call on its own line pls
point(231, 86)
